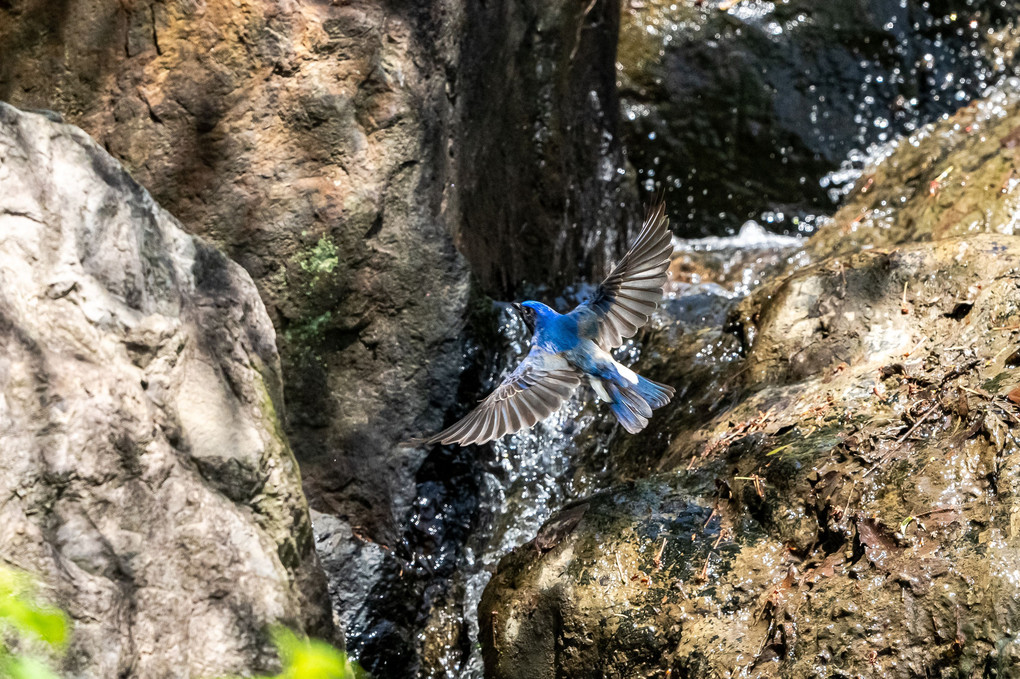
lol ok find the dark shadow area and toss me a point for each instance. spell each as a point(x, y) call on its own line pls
point(742, 115)
point(538, 157)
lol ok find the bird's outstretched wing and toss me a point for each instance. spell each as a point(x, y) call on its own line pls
point(627, 297)
point(532, 392)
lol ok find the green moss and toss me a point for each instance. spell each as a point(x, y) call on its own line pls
point(309, 331)
point(322, 260)
point(995, 384)
point(316, 279)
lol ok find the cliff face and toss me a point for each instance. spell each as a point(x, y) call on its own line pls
point(146, 474)
point(362, 161)
point(542, 179)
point(301, 139)
point(339, 151)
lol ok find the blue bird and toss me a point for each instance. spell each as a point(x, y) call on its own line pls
point(569, 348)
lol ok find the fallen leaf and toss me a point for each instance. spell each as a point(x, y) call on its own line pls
point(559, 527)
point(879, 544)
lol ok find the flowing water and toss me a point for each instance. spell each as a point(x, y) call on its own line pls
point(769, 107)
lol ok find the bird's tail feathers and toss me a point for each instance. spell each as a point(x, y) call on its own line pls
point(654, 393)
point(631, 420)
point(633, 405)
point(630, 409)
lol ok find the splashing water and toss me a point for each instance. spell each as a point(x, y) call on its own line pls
point(524, 478)
point(475, 505)
point(791, 98)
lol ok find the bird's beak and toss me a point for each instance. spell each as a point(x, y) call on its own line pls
point(517, 307)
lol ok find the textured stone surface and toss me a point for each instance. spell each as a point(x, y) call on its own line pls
point(855, 509)
point(956, 177)
point(344, 153)
point(339, 151)
point(145, 474)
point(541, 172)
point(834, 493)
point(301, 138)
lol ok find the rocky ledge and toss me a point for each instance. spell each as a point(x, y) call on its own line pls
point(841, 496)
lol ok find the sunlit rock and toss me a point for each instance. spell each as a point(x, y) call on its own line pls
point(146, 477)
point(834, 491)
point(362, 161)
point(956, 177)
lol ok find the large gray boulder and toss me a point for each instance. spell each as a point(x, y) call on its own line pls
point(144, 470)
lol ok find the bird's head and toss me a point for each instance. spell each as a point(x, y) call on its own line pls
point(527, 314)
point(530, 312)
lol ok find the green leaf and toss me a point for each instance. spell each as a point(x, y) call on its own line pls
point(49, 624)
point(27, 617)
point(309, 659)
point(18, 667)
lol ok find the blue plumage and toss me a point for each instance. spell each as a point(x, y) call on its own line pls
point(657, 395)
point(569, 348)
point(554, 332)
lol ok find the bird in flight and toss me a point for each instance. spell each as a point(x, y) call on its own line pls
point(568, 348)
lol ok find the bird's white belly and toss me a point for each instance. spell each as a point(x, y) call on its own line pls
point(606, 358)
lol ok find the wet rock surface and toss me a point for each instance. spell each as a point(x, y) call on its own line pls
point(362, 160)
point(833, 495)
point(145, 474)
point(739, 110)
point(956, 177)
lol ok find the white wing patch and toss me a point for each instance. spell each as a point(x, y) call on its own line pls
point(600, 389)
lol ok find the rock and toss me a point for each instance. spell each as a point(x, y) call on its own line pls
point(338, 151)
point(147, 477)
point(295, 137)
point(539, 158)
point(835, 493)
point(362, 161)
point(790, 90)
point(952, 178)
point(870, 465)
